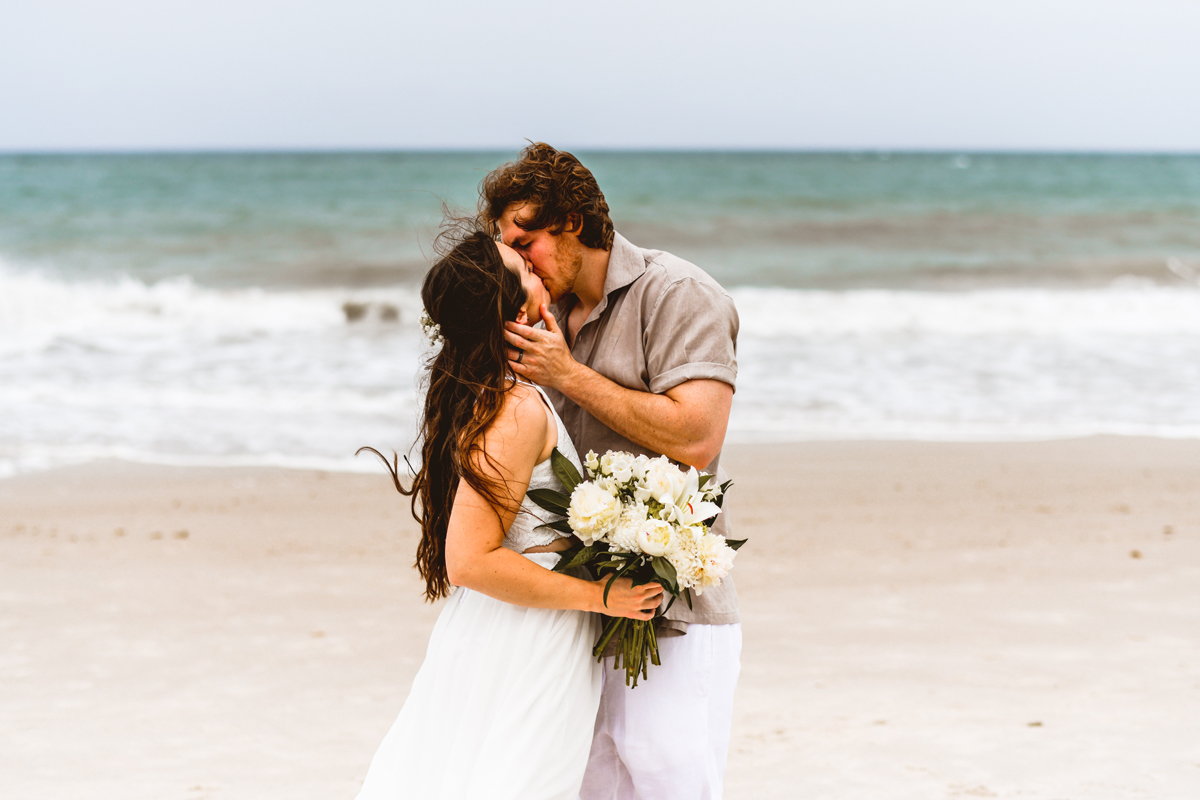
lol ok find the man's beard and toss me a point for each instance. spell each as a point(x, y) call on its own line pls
point(568, 257)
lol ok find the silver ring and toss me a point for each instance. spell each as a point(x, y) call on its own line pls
point(520, 355)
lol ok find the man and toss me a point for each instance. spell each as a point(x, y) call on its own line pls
point(638, 354)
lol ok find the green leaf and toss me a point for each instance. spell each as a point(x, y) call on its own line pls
point(734, 544)
point(628, 566)
point(577, 556)
point(666, 570)
point(566, 555)
point(565, 471)
point(550, 500)
point(562, 526)
point(704, 479)
point(687, 595)
point(608, 587)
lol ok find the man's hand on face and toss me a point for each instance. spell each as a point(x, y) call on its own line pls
point(540, 356)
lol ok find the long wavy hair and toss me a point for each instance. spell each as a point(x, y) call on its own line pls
point(469, 293)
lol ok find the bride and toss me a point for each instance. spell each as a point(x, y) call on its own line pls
point(505, 702)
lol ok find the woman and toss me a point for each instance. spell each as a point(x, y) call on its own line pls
point(505, 702)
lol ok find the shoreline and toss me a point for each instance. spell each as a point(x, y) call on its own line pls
point(921, 619)
point(365, 466)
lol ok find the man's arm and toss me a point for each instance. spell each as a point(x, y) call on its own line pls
point(686, 423)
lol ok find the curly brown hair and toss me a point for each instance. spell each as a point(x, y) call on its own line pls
point(558, 186)
point(470, 294)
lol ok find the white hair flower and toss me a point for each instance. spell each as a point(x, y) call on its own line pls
point(433, 331)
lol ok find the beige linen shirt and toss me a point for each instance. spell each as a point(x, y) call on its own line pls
point(662, 321)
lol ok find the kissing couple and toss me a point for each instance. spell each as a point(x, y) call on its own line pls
point(555, 331)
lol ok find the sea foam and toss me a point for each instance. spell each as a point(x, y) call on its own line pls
point(176, 372)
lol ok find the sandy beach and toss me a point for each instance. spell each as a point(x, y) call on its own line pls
point(921, 621)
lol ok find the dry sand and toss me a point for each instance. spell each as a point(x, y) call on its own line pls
point(921, 621)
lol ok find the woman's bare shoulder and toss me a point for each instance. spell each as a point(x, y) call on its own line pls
point(521, 428)
point(525, 410)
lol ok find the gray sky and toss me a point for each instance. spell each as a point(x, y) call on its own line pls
point(961, 74)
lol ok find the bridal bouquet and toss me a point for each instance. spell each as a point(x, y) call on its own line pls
point(644, 519)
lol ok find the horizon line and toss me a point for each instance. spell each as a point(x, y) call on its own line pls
point(734, 150)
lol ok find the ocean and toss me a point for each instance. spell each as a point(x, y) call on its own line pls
point(262, 308)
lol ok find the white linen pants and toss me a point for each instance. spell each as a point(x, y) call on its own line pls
point(668, 739)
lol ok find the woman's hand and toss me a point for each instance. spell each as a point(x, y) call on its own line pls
point(627, 600)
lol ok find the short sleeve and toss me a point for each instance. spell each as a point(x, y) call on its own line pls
point(691, 335)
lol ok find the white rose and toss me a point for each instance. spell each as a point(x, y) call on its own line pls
point(593, 512)
point(619, 465)
point(654, 537)
point(591, 462)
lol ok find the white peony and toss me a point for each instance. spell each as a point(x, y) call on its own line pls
point(714, 559)
point(682, 554)
point(593, 512)
point(618, 464)
point(654, 537)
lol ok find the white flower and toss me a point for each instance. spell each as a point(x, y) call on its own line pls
point(624, 537)
point(654, 537)
point(664, 481)
point(619, 465)
point(683, 541)
point(694, 510)
point(688, 555)
point(714, 559)
point(592, 463)
point(639, 466)
point(593, 512)
point(433, 331)
point(607, 484)
point(712, 490)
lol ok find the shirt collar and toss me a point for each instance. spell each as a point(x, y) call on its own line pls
point(625, 265)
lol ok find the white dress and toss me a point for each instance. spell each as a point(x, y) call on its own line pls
point(504, 705)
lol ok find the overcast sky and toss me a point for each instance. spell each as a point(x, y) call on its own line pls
point(250, 74)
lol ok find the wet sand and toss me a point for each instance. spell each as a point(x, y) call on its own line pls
point(920, 620)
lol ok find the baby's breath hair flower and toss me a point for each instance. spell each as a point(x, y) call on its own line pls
point(433, 331)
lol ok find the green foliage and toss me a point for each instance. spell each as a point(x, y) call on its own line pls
point(666, 570)
point(552, 501)
point(565, 471)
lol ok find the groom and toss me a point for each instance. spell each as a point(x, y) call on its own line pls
point(639, 354)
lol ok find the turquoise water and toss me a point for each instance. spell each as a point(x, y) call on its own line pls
point(794, 220)
point(198, 308)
